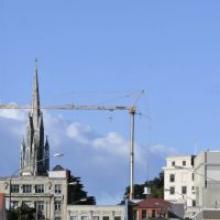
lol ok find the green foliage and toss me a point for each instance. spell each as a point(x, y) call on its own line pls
point(22, 213)
point(76, 193)
point(156, 186)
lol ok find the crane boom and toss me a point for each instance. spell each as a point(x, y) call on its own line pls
point(130, 109)
point(70, 107)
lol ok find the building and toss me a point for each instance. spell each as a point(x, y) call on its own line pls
point(207, 179)
point(207, 214)
point(2, 207)
point(35, 185)
point(96, 212)
point(179, 182)
point(194, 181)
point(48, 194)
point(151, 208)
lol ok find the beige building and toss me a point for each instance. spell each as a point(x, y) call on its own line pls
point(48, 194)
point(96, 212)
point(207, 214)
point(207, 179)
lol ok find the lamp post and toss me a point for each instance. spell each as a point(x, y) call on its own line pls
point(56, 155)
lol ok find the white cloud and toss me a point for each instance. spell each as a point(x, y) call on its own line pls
point(113, 143)
point(79, 132)
point(14, 114)
point(162, 150)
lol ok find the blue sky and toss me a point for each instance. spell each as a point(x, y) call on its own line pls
point(97, 52)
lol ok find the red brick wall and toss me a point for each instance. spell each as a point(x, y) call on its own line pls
point(2, 207)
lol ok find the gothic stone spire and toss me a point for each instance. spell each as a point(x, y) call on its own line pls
point(36, 96)
point(34, 150)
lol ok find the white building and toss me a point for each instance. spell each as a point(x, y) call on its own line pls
point(96, 212)
point(179, 182)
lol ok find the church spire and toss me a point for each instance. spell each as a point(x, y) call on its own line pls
point(36, 94)
point(34, 150)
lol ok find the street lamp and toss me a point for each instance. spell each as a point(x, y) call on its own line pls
point(73, 183)
point(80, 200)
point(56, 155)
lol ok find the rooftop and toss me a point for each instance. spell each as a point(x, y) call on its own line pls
point(154, 203)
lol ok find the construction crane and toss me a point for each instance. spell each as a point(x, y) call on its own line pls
point(130, 109)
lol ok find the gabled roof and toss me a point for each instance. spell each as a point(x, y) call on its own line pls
point(58, 168)
point(153, 203)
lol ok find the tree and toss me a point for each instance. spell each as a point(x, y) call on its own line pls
point(156, 187)
point(22, 213)
point(76, 193)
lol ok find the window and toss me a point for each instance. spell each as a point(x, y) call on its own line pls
point(172, 190)
point(57, 218)
point(39, 205)
point(184, 163)
point(153, 213)
point(73, 218)
point(84, 217)
point(95, 217)
point(184, 189)
point(134, 214)
point(26, 188)
point(172, 178)
point(105, 218)
point(193, 203)
point(173, 163)
point(117, 218)
point(14, 188)
point(144, 214)
point(39, 188)
point(193, 176)
point(57, 205)
point(57, 189)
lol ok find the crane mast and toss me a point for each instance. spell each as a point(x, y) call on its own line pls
point(130, 109)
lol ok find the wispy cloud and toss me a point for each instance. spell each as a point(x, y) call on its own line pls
point(162, 150)
point(18, 115)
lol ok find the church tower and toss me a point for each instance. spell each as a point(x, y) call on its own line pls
point(34, 149)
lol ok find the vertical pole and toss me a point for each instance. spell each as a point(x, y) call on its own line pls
point(10, 193)
point(132, 113)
